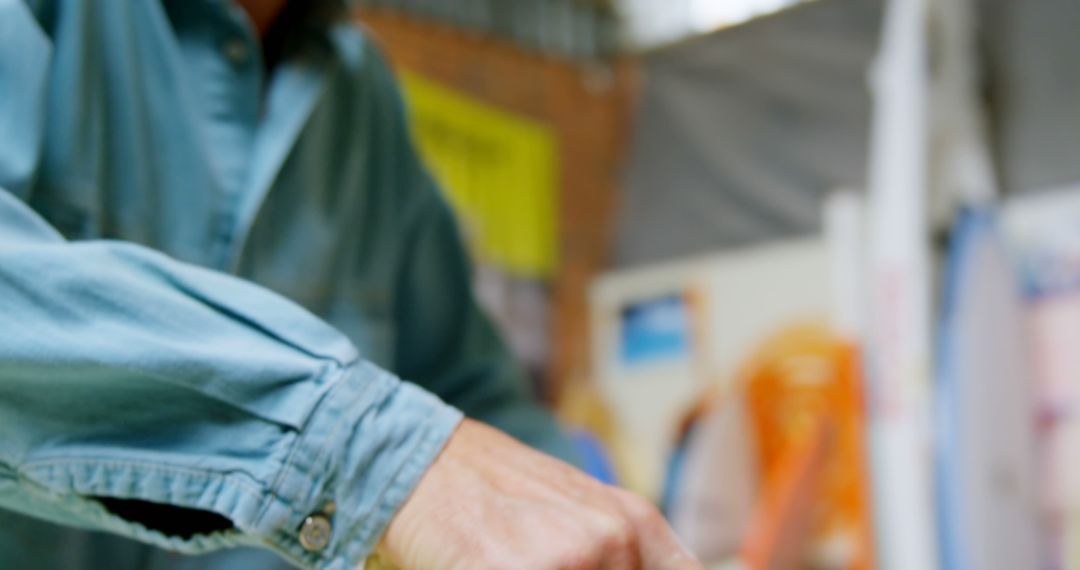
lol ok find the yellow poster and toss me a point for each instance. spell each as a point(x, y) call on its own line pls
point(499, 171)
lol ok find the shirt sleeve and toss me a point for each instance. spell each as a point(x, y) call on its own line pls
point(179, 406)
point(445, 342)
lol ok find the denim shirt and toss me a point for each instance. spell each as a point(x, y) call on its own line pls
point(211, 281)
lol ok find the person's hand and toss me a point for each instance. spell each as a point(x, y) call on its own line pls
point(490, 503)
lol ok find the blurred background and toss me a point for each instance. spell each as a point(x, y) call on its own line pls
point(805, 273)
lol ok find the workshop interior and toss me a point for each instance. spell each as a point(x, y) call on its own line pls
point(804, 273)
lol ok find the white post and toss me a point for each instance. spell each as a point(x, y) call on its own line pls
point(899, 328)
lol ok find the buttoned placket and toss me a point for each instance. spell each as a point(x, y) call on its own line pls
point(235, 102)
point(225, 73)
point(252, 122)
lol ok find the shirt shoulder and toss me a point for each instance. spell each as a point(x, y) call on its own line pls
point(365, 97)
point(353, 47)
point(358, 52)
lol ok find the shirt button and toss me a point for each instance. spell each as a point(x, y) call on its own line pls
point(315, 533)
point(236, 50)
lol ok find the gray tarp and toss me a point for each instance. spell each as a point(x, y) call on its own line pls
point(1032, 49)
point(741, 133)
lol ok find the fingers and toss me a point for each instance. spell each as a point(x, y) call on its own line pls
point(619, 544)
point(488, 502)
point(659, 548)
point(629, 533)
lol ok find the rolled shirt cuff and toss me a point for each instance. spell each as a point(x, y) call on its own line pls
point(361, 454)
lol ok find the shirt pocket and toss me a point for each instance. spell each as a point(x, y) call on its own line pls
point(366, 318)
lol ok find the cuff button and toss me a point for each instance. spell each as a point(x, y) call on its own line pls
point(315, 533)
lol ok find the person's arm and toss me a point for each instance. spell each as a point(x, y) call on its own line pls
point(174, 405)
point(132, 386)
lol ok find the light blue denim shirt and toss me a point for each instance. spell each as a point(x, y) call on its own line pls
point(211, 282)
